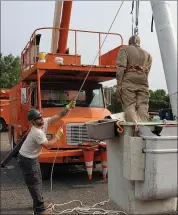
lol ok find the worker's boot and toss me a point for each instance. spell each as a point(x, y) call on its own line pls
point(48, 205)
point(45, 210)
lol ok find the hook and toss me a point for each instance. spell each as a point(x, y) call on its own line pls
point(119, 129)
point(136, 31)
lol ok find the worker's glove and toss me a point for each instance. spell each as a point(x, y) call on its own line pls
point(59, 133)
point(71, 105)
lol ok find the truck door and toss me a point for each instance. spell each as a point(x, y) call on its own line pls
point(34, 98)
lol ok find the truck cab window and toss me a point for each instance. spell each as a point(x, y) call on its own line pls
point(61, 94)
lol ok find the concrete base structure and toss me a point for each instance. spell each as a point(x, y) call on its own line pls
point(122, 191)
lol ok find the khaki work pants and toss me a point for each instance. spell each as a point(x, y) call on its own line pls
point(134, 95)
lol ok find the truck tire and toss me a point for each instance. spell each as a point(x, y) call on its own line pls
point(2, 125)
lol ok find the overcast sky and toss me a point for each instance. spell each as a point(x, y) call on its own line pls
point(20, 18)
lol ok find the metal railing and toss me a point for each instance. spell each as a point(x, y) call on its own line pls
point(29, 55)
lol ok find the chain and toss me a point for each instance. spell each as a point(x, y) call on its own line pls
point(136, 18)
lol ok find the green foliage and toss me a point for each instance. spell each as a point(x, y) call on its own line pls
point(158, 100)
point(9, 70)
point(115, 106)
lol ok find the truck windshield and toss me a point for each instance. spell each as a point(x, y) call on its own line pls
point(60, 94)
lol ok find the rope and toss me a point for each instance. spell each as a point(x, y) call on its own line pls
point(83, 209)
point(99, 49)
point(84, 83)
point(152, 20)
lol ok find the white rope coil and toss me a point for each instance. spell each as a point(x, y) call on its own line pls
point(82, 209)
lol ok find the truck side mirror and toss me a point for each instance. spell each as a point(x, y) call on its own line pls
point(107, 94)
point(23, 96)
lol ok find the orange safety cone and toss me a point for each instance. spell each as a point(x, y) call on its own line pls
point(104, 161)
point(88, 157)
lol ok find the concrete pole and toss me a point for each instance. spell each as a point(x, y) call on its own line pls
point(168, 47)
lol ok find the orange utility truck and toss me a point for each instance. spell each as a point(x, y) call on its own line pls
point(49, 81)
point(4, 107)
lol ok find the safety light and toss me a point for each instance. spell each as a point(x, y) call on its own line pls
point(42, 57)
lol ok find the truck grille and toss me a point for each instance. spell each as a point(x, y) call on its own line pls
point(77, 133)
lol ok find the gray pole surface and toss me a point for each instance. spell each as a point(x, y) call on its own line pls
point(168, 47)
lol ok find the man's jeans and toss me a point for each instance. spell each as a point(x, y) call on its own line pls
point(33, 179)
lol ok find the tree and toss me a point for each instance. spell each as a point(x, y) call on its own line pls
point(115, 106)
point(158, 100)
point(9, 70)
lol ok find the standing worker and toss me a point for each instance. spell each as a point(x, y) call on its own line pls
point(30, 150)
point(133, 64)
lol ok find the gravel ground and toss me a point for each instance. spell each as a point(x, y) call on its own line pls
point(68, 184)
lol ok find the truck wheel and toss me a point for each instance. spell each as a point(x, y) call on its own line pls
point(2, 125)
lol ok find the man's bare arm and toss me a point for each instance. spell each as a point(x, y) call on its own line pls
point(63, 113)
point(49, 144)
point(58, 116)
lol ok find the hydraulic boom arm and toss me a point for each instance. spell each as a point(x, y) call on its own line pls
point(56, 24)
point(59, 38)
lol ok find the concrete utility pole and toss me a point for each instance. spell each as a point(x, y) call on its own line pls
point(168, 48)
